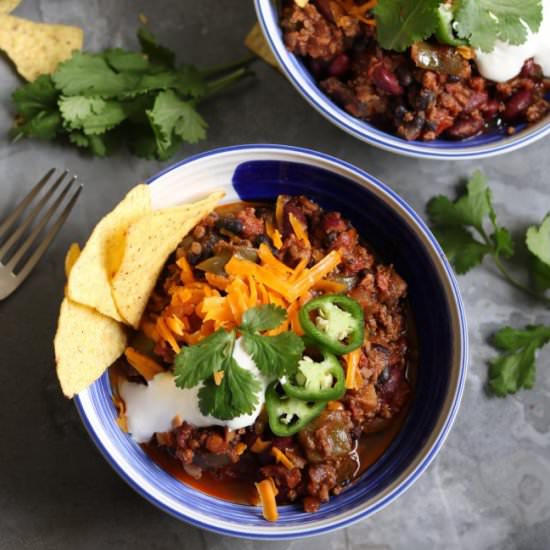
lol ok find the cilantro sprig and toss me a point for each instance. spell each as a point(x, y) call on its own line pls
point(235, 391)
point(468, 231)
point(99, 101)
point(401, 23)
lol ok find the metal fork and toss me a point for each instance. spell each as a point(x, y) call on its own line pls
point(13, 249)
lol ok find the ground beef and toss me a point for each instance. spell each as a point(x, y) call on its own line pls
point(397, 91)
point(321, 480)
point(307, 32)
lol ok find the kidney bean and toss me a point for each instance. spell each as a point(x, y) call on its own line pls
point(317, 68)
point(517, 104)
point(492, 107)
point(531, 69)
point(466, 127)
point(282, 442)
point(339, 66)
point(324, 9)
point(475, 101)
point(385, 80)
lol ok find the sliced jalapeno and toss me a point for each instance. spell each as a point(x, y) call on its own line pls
point(337, 325)
point(288, 415)
point(445, 33)
point(323, 381)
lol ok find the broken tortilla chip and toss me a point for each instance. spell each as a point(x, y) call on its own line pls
point(90, 278)
point(256, 42)
point(86, 344)
point(149, 243)
point(7, 6)
point(37, 48)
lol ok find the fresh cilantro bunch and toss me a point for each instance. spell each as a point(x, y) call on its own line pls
point(401, 23)
point(99, 101)
point(227, 389)
point(468, 231)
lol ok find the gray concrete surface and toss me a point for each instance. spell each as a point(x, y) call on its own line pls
point(490, 486)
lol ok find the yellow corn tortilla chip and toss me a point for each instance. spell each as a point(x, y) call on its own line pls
point(256, 42)
point(37, 48)
point(86, 344)
point(70, 259)
point(90, 278)
point(149, 243)
point(7, 6)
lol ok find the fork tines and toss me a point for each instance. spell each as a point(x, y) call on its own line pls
point(21, 230)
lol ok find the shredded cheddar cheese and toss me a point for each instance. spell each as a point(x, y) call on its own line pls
point(147, 367)
point(281, 457)
point(354, 380)
point(299, 230)
point(260, 446)
point(221, 300)
point(266, 491)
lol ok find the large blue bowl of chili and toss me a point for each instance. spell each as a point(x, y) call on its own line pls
point(398, 234)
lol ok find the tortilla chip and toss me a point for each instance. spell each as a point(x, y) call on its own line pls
point(7, 6)
point(149, 243)
point(86, 344)
point(70, 259)
point(256, 42)
point(37, 48)
point(90, 279)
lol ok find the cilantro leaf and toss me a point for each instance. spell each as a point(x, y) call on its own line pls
point(195, 363)
point(483, 22)
point(34, 97)
point(173, 118)
point(89, 74)
point(401, 23)
point(515, 368)
point(92, 115)
point(538, 243)
point(189, 81)
point(459, 226)
point(274, 355)
point(76, 109)
point(266, 317)
point(470, 209)
point(44, 125)
point(462, 250)
point(236, 395)
point(154, 51)
point(123, 61)
point(538, 240)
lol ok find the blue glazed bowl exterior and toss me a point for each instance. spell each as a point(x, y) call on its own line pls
point(489, 144)
point(261, 172)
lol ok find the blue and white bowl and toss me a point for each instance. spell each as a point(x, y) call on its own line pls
point(486, 145)
point(261, 172)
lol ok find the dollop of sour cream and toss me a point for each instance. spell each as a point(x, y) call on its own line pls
point(506, 61)
point(152, 408)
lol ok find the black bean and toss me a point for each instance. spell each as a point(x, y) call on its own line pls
point(233, 225)
point(262, 239)
point(423, 100)
point(404, 75)
point(400, 112)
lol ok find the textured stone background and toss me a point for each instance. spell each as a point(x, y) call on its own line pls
point(490, 485)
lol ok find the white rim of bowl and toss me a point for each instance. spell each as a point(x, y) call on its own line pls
point(355, 127)
point(439, 433)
